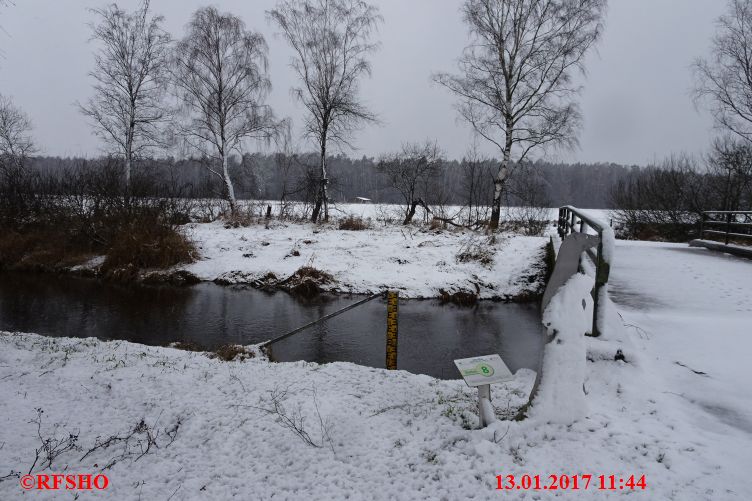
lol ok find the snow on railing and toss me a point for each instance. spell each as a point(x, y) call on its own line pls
point(572, 220)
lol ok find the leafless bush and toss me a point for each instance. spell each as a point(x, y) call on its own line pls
point(527, 220)
point(476, 191)
point(294, 419)
point(663, 202)
point(526, 197)
point(135, 443)
point(475, 250)
point(52, 219)
point(51, 447)
point(412, 173)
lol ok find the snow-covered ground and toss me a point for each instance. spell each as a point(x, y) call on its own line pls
point(391, 435)
point(677, 410)
point(396, 212)
point(415, 260)
point(372, 434)
point(690, 310)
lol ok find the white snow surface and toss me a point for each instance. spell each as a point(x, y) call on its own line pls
point(414, 260)
point(380, 434)
point(688, 312)
point(393, 435)
point(568, 316)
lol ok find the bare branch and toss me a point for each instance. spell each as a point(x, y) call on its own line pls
point(331, 41)
point(127, 109)
point(220, 73)
point(515, 86)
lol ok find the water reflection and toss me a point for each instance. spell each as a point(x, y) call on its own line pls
point(431, 335)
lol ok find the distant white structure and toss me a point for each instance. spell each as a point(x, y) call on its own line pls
point(363, 200)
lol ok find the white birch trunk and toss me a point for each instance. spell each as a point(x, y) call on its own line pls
point(228, 183)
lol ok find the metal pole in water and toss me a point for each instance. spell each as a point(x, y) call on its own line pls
point(392, 314)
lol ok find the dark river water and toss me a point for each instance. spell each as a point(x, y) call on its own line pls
point(431, 335)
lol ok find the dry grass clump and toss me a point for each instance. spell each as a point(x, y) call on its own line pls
point(145, 244)
point(461, 297)
point(476, 252)
point(41, 249)
point(307, 282)
point(352, 223)
point(232, 352)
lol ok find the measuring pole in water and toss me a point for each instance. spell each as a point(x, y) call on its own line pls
point(392, 314)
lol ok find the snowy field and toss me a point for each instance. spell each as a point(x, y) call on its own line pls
point(395, 213)
point(416, 261)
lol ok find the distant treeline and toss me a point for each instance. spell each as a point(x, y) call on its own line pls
point(276, 176)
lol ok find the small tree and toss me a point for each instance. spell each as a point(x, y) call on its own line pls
point(411, 171)
point(220, 71)
point(515, 84)
point(16, 143)
point(127, 107)
point(726, 78)
point(17, 183)
point(475, 190)
point(331, 40)
point(730, 175)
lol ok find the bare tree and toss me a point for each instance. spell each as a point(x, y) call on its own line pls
point(662, 200)
point(286, 161)
point(410, 172)
point(730, 175)
point(127, 108)
point(475, 190)
point(516, 85)
point(16, 143)
point(220, 71)
point(331, 40)
point(726, 78)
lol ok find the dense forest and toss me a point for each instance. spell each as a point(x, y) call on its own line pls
point(274, 176)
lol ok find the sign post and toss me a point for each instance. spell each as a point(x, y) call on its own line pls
point(481, 372)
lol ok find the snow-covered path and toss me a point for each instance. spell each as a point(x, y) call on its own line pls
point(692, 309)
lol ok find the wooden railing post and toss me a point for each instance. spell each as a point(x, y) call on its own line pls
point(602, 271)
point(728, 226)
point(574, 218)
point(568, 219)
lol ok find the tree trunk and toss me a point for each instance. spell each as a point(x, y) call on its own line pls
point(499, 181)
point(228, 185)
point(128, 172)
point(130, 133)
point(410, 213)
point(128, 161)
point(321, 195)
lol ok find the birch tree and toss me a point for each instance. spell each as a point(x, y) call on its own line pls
point(127, 108)
point(725, 79)
point(331, 41)
point(515, 83)
point(16, 143)
point(220, 71)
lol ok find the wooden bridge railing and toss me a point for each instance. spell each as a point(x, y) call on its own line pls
point(572, 220)
point(729, 225)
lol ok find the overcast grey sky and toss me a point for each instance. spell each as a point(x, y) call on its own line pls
point(636, 101)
